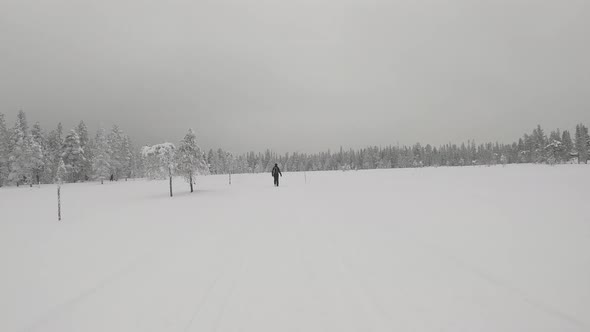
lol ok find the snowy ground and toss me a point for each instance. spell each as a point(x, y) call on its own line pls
point(435, 249)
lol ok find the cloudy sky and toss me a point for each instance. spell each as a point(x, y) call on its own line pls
point(302, 75)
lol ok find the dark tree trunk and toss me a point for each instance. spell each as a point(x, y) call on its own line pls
point(59, 203)
point(170, 173)
point(191, 181)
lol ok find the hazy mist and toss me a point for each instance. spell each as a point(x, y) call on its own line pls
point(298, 75)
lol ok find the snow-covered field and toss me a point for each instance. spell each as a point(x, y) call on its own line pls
point(434, 249)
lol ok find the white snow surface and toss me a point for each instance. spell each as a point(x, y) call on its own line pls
point(432, 249)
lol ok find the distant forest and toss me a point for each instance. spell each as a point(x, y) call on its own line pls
point(31, 155)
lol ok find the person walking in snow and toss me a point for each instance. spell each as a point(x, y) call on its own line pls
point(275, 174)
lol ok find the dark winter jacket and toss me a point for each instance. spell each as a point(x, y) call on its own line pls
point(276, 171)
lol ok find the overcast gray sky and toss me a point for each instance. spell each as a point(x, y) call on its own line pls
point(301, 75)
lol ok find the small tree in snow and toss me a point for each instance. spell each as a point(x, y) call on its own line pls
point(164, 155)
point(191, 160)
point(60, 175)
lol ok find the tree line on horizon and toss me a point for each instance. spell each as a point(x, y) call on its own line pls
point(30, 155)
point(556, 148)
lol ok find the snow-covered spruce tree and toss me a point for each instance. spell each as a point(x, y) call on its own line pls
point(221, 162)
point(138, 164)
point(85, 144)
point(582, 143)
point(213, 161)
point(61, 174)
point(54, 149)
point(190, 158)
point(242, 165)
point(4, 151)
point(231, 162)
point(164, 155)
point(126, 157)
point(21, 121)
point(568, 146)
point(20, 154)
point(73, 156)
point(224, 161)
point(37, 163)
point(554, 152)
point(101, 166)
point(539, 143)
point(115, 140)
point(43, 162)
point(258, 168)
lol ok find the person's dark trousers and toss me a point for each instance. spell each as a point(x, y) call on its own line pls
point(276, 180)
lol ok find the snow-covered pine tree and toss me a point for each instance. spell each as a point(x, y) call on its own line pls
point(241, 165)
point(138, 164)
point(20, 155)
point(554, 152)
point(61, 174)
point(73, 156)
point(568, 145)
point(115, 140)
point(82, 132)
point(86, 169)
point(164, 155)
point(229, 164)
point(40, 155)
point(539, 143)
point(37, 163)
point(4, 151)
point(582, 143)
point(190, 158)
point(101, 163)
point(54, 150)
point(554, 148)
point(37, 134)
point(126, 156)
point(221, 162)
point(213, 161)
point(258, 168)
point(21, 121)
